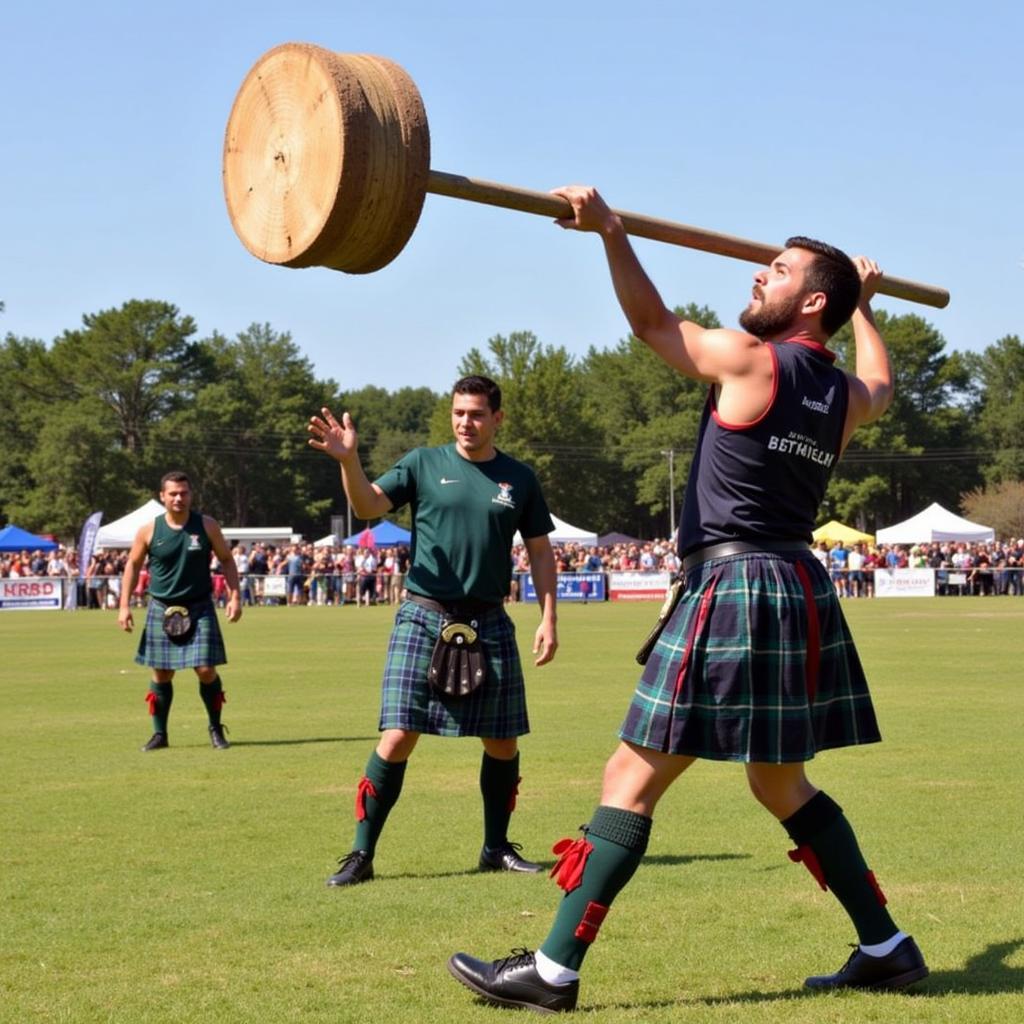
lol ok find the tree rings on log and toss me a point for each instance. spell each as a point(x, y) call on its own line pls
point(326, 159)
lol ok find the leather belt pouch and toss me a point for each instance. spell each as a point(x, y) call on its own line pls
point(178, 622)
point(675, 592)
point(457, 664)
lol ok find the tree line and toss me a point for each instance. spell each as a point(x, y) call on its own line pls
point(92, 420)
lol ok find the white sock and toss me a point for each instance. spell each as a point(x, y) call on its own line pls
point(883, 948)
point(552, 973)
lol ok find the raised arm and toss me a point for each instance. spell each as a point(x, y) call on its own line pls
point(340, 441)
point(871, 386)
point(691, 349)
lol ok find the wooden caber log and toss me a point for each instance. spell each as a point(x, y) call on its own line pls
point(327, 163)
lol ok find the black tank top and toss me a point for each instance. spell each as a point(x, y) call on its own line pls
point(765, 480)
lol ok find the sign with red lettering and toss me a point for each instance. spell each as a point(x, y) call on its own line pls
point(31, 593)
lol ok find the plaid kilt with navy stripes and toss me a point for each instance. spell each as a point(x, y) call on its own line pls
point(204, 646)
point(756, 664)
point(496, 709)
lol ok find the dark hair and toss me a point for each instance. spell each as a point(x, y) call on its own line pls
point(176, 476)
point(833, 273)
point(474, 384)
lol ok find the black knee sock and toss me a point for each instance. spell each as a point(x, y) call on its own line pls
point(499, 781)
point(214, 698)
point(827, 846)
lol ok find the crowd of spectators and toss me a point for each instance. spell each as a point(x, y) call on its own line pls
point(302, 574)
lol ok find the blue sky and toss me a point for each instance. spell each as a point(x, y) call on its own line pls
point(887, 128)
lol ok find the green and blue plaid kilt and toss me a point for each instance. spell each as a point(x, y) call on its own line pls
point(203, 648)
point(496, 709)
point(740, 672)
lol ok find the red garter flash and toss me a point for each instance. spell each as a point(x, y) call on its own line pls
point(220, 700)
point(512, 796)
point(364, 790)
point(572, 859)
point(152, 699)
point(873, 882)
point(805, 855)
point(586, 930)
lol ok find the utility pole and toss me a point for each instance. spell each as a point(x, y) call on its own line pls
point(671, 453)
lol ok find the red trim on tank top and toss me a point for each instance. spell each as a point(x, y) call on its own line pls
point(767, 409)
point(808, 342)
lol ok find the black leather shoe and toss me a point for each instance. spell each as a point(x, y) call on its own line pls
point(903, 966)
point(217, 737)
point(156, 742)
point(353, 868)
point(513, 981)
point(506, 858)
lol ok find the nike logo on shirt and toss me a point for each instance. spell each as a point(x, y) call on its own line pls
point(445, 480)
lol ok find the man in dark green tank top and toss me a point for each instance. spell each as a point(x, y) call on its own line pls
point(468, 500)
point(181, 628)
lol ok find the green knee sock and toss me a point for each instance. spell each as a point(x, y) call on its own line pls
point(499, 781)
point(619, 839)
point(820, 828)
point(214, 698)
point(159, 698)
point(378, 792)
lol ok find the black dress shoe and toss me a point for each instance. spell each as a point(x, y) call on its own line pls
point(506, 858)
point(217, 738)
point(513, 981)
point(158, 741)
point(903, 966)
point(353, 868)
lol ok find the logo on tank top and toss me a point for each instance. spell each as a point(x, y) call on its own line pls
point(504, 496)
point(193, 542)
point(822, 407)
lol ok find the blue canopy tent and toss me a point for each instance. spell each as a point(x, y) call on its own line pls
point(14, 538)
point(385, 535)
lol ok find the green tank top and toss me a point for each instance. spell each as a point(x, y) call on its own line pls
point(179, 561)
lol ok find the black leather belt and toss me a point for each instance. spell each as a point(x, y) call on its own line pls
point(742, 547)
point(467, 607)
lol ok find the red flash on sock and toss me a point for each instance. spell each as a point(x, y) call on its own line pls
point(151, 700)
point(572, 859)
point(593, 916)
point(512, 796)
point(220, 700)
point(364, 790)
point(877, 888)
point(805, 855)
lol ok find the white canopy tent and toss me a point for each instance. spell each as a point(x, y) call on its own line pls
point(565, 533)
point(121, 532)
point(934, 523)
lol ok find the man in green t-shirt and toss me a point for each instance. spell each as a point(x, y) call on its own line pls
point(468, 500)
point(181, 628)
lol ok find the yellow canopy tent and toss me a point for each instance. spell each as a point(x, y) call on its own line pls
point(834, 530)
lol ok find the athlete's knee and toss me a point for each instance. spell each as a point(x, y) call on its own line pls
point(206, 674)
point(396, 744)
point(503, 750)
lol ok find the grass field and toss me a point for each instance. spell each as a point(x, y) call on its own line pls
point(187, 885)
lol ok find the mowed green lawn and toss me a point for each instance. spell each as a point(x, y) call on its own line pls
point(187, 885)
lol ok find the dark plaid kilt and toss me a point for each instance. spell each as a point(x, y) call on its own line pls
point(496, 709)
point(204, 646)
point(737, 676)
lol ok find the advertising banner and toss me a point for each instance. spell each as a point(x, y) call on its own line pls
point(904, 583)
point(32, 593)
point(638, 586)
point(572, 586)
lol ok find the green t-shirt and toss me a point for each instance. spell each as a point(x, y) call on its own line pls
point(179, 560)
point(464, 516)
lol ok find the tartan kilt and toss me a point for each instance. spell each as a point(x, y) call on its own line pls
point(750, 668)
point(496, 709)
point(203, 648)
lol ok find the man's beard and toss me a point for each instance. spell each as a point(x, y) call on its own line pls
point(770, 320)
